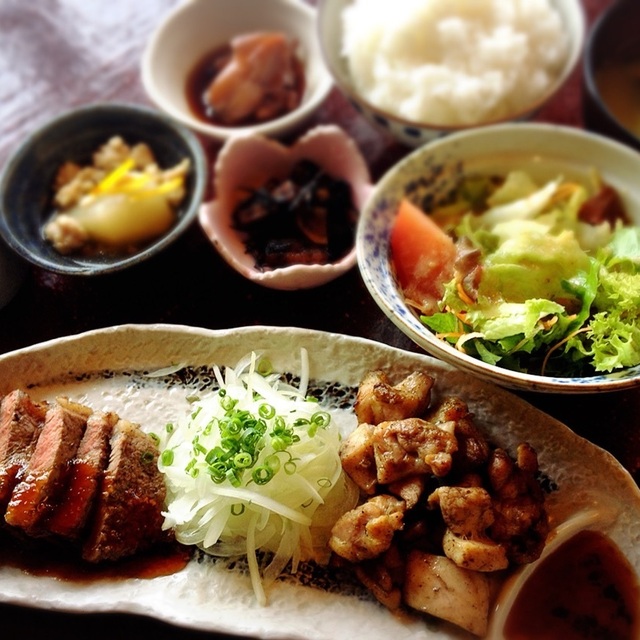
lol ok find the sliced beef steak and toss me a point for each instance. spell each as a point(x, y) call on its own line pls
point(80, 480)
point(36, 493)
point(21, 420)
point(128, 514)
point(84, 477)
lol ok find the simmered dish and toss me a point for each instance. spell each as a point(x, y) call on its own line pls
point(256, 77)
point(308, 217)
point(116, 204)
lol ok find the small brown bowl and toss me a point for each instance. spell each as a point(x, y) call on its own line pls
point(612, 47)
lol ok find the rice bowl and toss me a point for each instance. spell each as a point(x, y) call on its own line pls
point(453, 63)
point(418, 70)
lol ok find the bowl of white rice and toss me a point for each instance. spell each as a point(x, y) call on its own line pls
point(423, 68)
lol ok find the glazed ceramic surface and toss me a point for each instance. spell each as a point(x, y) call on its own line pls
point(198, 27)
point(249, 162)
point(146, 373)
point(26, 184)
point(545, 151)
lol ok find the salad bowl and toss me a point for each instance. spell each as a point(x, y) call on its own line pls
point(544, 152)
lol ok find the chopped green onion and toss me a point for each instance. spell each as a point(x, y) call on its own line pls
point(264, 367)
point(246, 445)
point(167, 457)
point(243, 460)
point(262, 475)
point(227, 403)
point(321, 418)
point(266, 411)
point(273, 462)
point(233, 476)
point(237, 509)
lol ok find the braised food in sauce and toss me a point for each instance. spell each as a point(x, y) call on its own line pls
point(252, 79)
point(116, 204)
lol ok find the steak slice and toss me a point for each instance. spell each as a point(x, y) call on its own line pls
point(58, 442)
point(85, 473)
point(21, 420)
point(128, 515)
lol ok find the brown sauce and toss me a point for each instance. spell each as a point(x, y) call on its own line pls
point(205, 71)
point(39, 559)
point(586, 589)
point(618, 81)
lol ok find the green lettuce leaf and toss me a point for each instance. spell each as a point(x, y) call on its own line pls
point(615, 340)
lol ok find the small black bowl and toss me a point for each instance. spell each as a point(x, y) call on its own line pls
point(26, 183)
point(614, 38)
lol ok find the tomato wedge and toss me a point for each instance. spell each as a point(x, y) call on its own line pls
point(423, 256)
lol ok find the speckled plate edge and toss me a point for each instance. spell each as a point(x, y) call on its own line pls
point(588, 478)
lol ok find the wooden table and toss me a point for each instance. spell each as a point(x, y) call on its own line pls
point(62, 53)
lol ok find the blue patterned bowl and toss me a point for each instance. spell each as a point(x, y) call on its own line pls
point(545, 151)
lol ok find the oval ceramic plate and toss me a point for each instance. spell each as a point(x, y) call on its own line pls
point(163, 363)
point(545, 152)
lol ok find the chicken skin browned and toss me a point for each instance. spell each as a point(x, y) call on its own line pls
point(518, 504)
point(442, 508)
point(378, 400)
point(412, 446)
point(367, 531)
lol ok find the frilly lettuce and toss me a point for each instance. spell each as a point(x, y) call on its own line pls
point(557, 295)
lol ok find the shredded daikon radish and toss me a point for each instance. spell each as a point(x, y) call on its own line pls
point(255, 466)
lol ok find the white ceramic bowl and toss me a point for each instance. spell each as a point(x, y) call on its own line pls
point(196, 27)
point(415, 133)
point(545, 151)
point(248, 162)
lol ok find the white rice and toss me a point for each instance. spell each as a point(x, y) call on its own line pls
point(453, 62)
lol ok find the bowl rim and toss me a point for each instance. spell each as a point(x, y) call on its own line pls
point(589, 67)
point(422, 336)
point(357, 99)
point(199, 171)
point(321, 143)
point(277, 126)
